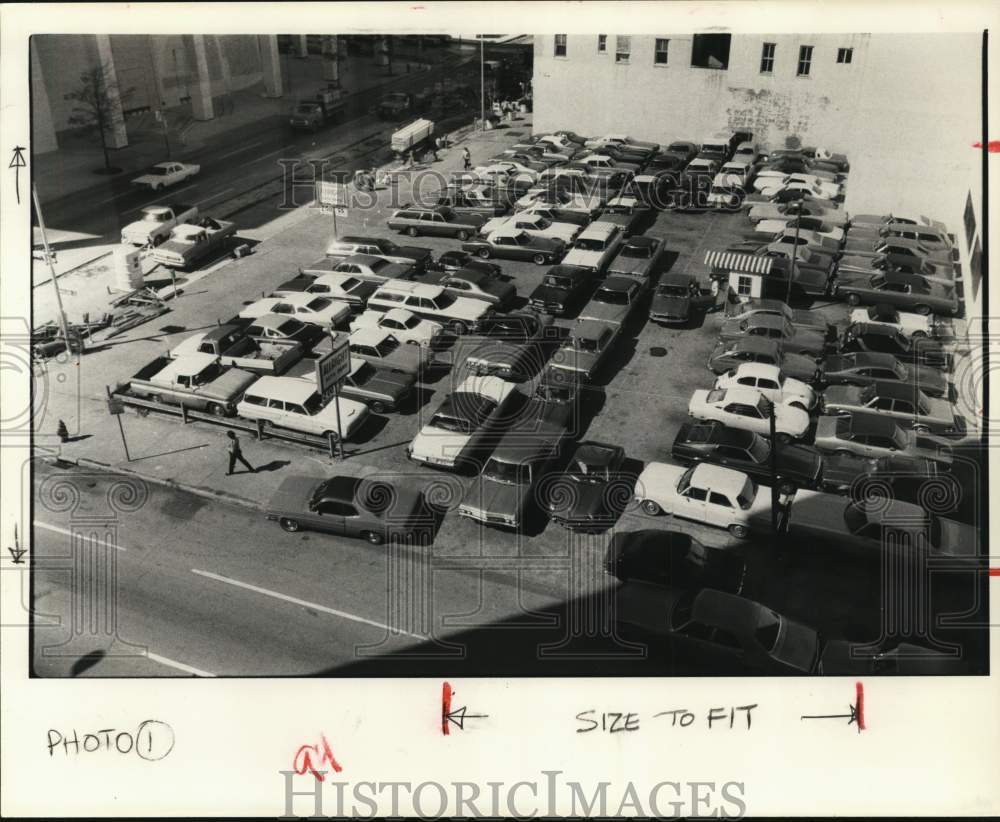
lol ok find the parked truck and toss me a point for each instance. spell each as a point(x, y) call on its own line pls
point(312, 114)
point(191, 242)
point(231, 347)
point(413, 137)
point(197, 381)
point(399, 104)
point(156, 223)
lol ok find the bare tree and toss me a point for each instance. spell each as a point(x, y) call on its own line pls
point(96, 104)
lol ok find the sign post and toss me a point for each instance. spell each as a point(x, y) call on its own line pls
point(331, 369)
point(332, 197)
point(116, 407)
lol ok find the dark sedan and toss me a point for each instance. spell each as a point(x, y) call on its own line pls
point(382, 389)
point(907, 292)
point(520, 246)
point(864, 368)
point(677, 297)
point(798, 466)
point(793, 339)
point(562, 287)
point(474, 284)
point(729, 355)
point(452, 261)
point(592, 493)
point(865, 337)
point(672, 558)
point(374, 510)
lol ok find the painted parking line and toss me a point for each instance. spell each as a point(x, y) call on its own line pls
point(180, 666)
point(304, 603)
point(67, 532)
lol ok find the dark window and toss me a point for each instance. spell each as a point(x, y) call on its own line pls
point(719, 499)
point(805, 60)
point(660, 52)
point(767, 58)
point(623, 48)
point(337, 509)
point(602, 44)
point(560, 45)
point(699, 494)
point(711, 51)
point(845, 55)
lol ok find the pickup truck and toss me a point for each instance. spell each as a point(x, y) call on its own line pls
point(191, 242)
point(312, 114)
point(197, 381)
point(156, 223)
point(230, 346)
point(166, 174)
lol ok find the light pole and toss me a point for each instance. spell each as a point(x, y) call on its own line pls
point(52, 270)
point(482, 83)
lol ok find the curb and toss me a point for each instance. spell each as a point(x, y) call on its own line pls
point(197, 490)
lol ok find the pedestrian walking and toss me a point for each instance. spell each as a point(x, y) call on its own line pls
point(236, 453)
point(436, 147)
point(411, 160)
point(466, 159)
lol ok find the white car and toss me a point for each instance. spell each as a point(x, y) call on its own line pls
point(163, 175)
point(711, 494)
point(769, 186)
point(294, 403)
point(461, 422)
point(908, 323)
point(769, 381)
point(404, 325)
point(309, 308)
point(559, 198)
point(749, 409)
point(596, 246)
point(340, 286)
point(533, 224)
point(505, 171)
point(830, 232)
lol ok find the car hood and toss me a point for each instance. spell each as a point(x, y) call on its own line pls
point(490, 497)
point(605, 312)
point(549, 293)
point(433, 443)
point(293, 494)
point(792, 419)
point(796, 645)
point(671, 306)
point(582, 502)
point(390, 384)
point(230, 384)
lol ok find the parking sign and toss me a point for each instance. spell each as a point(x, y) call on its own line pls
point(331, 195)
point(333, 367)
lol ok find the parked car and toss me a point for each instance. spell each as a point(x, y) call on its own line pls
point(677, 297)
point(903, 402)
point(932, 273)
point(616, 300)
point(379, 347)
point(511, 346)
point(452, 261)
point(558, 215)
point(282, 328)
point(309, 308)
point(729, 355)
point(810, 240)
point(156, 223)
point(377, 269)
point(381, 389)
point(877, 221)
point(793, 339)
point(532, 224)
point(416, 256)
point(800, 317)
point(769, 381)
point(815, 224)
point(475, 200)
point(517, 245)
point(799, 208)
point(197, 381)
point(750, 410)
point(190, 243)
point(371, 509)
point(637, 257)
point(431, 302)
point(868, 337)
point(912, 252)
point(337, 285)
point(295, 404)
point(710, 494)
point(909, 292)
point(873, 435)
point(562, 287)
point(465, 424)
point(843, 658)
point(474, 285)
point(591, 493)
point(596, 246)
point(682, 149)
point(439, 221)
point(627, 211)
point(866, 367)
point(908, 323)
point(900, 476)
point(404, 325)
point(586, 348)
point(798, 466)
point(166, 174)
point(656, 562)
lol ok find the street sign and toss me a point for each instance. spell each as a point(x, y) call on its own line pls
point(333, 367)
point(331, 194)
point(115, 406)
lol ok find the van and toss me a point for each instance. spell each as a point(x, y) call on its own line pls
point(431, 302)
point(596, 246)
point(296, 404)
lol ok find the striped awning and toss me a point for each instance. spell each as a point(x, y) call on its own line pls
point(734, 261)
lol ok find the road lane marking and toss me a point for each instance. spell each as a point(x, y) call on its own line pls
point(116, 197)
point(305, 603)
point(262, 157)
point(159, 200)
point(67, 532)
point(180, 666)
point(224, 191)
point(239, 150)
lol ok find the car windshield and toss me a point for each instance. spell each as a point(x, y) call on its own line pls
point(448, 422)
point(156, 170)
point(638, 252)
point(350, 283)
point(758, 449)
point(767, 632)
point(508, 473)
point(588, 343)
point(319, 304)
point(590, 245)
point(666, 290)
point(378, 264)
point(314, 404)
point(387, 345)
point(155, 216)
point(559, 282)
point(411, 321)
point(290, 327)
point(443, 301)
point(611, 297)
point(364, 374)
point(678, 147)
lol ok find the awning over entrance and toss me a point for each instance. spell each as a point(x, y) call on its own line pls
point(734, 261)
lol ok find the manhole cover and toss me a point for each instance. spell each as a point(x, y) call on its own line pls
point(658, 351)
point(172, 329)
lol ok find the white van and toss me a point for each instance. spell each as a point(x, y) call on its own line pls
point(295, 404)
point(596, 246)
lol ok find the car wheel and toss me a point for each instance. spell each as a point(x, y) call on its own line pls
point(843, 452)
point(458, 328)
point(651, 507)
point(922, 309)
point(919, 335)
point(463, 235)
point(157, 398)
point(853, 299)
point(217, 410)
point(484, 253)
point(373, 537)
point(289, 525)
point(739, 531)
point(329, 434)
point(378, 407)
point(412, 231)
point(920, 428)
point(539, 259)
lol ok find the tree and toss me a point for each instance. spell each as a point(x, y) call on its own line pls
point(97, 99)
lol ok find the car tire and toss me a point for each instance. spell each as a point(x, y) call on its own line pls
point(412, 231)
point(484, 253)
point(290, 525)
point(922, 309)
point(853, 299)
point(373, 537)
point(463, 235)
point(540, 259)
point(378, 407)
point(739, 531)
point(651, 508)
point(920, 428)
point(217, 410)
point(919, 335)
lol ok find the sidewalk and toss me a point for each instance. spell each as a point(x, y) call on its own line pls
point(71, 168)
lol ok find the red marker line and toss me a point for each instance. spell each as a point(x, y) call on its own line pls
point(995, 572)
point(446, 693)
point(859, 704)
point(993, 146)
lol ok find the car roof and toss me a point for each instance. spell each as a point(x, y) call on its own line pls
point(598, 231)
point(411, 288)
point(597, 454)
point(718, 478)
point(399, 314)
point(768, 320)
point(620, 284)
point(186, 365)
point(291, 389)
point(363, 259)
point(370, 335)
point(758, 369)
point(339, 487)
point(872, 423)
point(727, 611)
point(272, 320)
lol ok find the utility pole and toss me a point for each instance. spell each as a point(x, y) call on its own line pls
point(52, 270)
point(795, 257)
point(482, 82)
point(775, 496)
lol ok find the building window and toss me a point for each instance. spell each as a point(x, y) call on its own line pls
point(767, 58)
point(602, 44)
point(744, 285)
point(560, 46)
point(711, 51)
point(845, 55)
point(660, 51)
point(623, 48)
point(805, 60)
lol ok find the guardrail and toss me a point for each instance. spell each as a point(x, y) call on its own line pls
point(258, 428)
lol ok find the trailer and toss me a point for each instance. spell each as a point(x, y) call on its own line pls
point(413, 137)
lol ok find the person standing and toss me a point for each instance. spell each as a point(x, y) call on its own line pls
point(466, 159)
point(236, 453)
point(436, 147)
